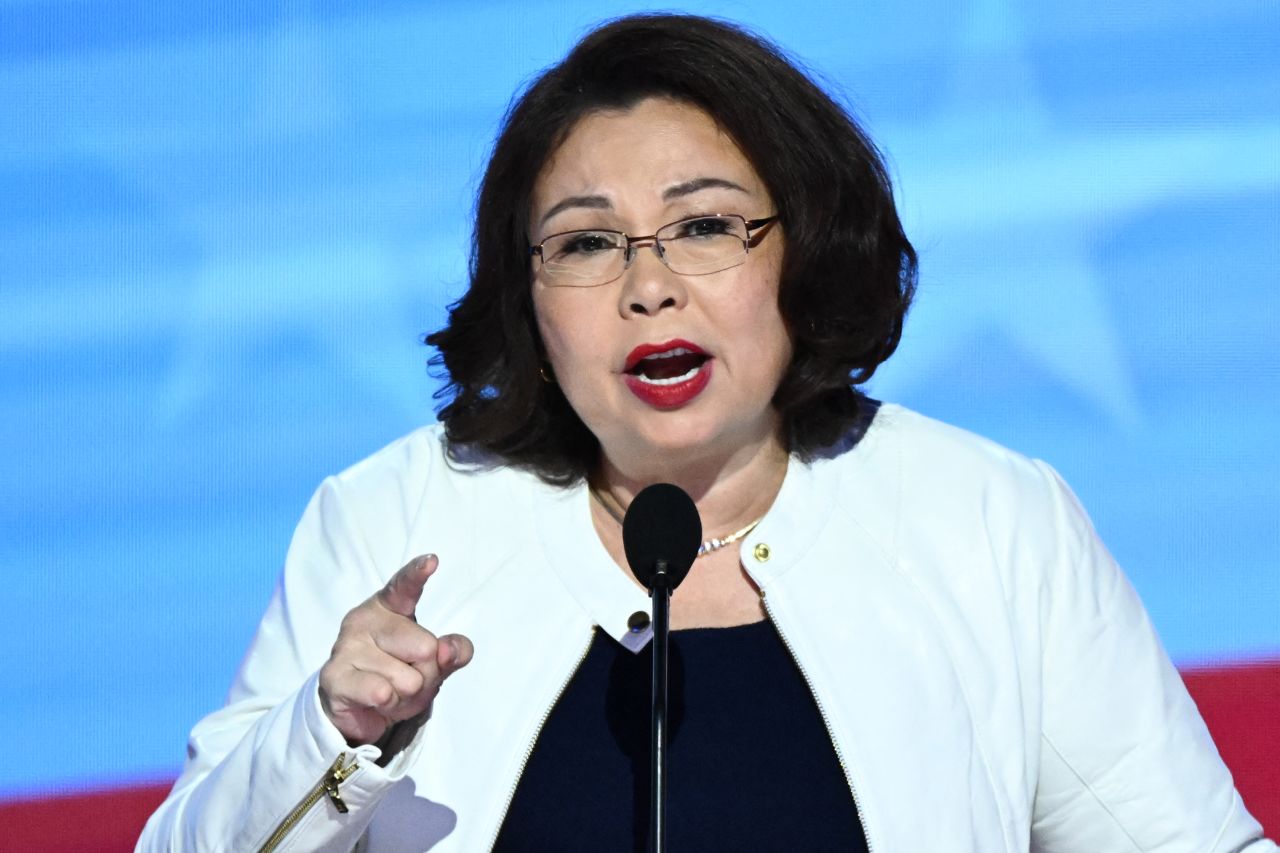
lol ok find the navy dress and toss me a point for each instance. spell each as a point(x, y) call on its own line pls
point(750, 764)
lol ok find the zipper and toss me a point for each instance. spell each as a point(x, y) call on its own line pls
point(328, 784)
point(528, 751)
point(822, 712)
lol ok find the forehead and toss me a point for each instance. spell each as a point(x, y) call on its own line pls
point(635, 154)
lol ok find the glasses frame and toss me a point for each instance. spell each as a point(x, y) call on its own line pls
point(632, 243)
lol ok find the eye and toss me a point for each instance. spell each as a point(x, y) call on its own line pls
point(706, 226)
point(584, 243)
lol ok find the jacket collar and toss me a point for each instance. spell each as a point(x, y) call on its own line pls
point(574, 554)
point(576, 557)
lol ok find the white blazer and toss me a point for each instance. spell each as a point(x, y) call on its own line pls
point(1021, 700)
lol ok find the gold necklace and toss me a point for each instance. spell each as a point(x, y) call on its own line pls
point(707, 547)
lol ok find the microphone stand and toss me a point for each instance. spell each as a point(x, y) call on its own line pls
point(661, 532)
point(660, 593)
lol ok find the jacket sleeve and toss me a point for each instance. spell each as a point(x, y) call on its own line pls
point(256, 770)
point(1126, 763)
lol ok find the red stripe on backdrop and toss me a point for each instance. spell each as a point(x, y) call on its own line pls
point(97, 821)
point(1239, 704)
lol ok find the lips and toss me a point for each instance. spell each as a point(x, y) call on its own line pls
point(667, 375)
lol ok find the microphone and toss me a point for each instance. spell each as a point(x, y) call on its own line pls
point(661, 533)
point(661, 527)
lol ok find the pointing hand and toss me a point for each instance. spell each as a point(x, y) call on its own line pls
point(385, 667)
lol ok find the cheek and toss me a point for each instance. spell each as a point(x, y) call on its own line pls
point(566, 335)
point(546, 329)
point(765, 331)
point(550, 326)
point(776, 351)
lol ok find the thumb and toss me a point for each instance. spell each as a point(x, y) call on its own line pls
point(402, 592)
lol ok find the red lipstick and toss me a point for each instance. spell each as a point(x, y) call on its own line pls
point(667, 375)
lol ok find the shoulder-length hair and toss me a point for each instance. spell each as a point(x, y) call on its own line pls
point(848, 271)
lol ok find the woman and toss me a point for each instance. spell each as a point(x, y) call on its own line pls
point(686, 256)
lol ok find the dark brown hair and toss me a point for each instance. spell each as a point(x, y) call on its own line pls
point(848, 271)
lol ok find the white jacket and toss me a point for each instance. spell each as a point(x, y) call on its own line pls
point(1021, 700)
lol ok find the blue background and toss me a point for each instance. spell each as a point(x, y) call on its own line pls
point(223, 229)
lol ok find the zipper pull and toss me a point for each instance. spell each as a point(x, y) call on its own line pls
point(336, 776)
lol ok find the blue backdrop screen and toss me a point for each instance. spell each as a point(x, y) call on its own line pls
point(223, 230)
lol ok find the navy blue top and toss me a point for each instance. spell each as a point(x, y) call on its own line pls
point(750, 765)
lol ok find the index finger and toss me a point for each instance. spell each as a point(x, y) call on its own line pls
point(402, 592)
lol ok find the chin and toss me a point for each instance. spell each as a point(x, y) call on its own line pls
point(684, 437)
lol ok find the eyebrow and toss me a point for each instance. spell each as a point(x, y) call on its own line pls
point(595, 202)
point(599, 202)
point(691, 187)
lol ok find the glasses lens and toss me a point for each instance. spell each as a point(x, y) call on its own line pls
point(583, 258)
point(704, 244)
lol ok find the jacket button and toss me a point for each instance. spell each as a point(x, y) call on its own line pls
point(637, 621)
point(761, 553)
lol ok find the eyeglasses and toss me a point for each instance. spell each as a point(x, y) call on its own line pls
point(699, 245)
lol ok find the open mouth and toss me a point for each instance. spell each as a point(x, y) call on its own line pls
point(669, 367)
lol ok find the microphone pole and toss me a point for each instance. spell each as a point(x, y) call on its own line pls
point(661, 532)
point(660, 594)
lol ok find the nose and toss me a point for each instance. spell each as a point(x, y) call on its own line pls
point(648, 285)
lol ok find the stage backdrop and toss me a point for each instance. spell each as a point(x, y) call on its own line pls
point(224, 228)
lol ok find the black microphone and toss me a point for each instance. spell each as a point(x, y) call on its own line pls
point(662, 526)
point(661, 533)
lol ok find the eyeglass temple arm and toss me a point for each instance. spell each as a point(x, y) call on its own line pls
point(753, 224)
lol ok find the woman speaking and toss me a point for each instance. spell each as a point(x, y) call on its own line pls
point(896, 637)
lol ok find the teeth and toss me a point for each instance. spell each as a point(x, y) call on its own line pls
point(671, 353)
point(671, 380)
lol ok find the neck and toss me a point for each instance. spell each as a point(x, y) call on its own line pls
point(730, 490)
